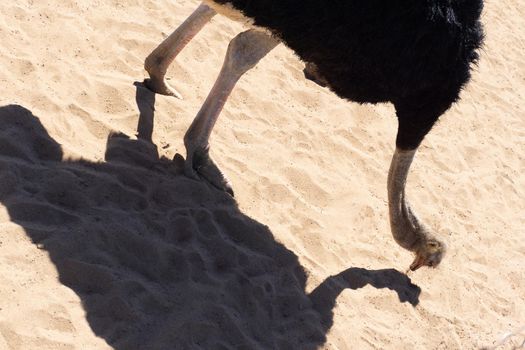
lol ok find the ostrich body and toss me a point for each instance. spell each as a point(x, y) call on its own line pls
point(416, 54)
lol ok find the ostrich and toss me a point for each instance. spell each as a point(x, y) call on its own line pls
point(416, 54)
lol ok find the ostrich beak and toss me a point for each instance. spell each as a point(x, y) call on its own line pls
point(418, 262)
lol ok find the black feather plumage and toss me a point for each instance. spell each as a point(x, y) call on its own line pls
point(417, 54)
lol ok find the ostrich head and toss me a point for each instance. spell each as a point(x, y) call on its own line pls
point(429, 253)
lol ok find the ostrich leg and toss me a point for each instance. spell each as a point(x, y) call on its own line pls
point(243, 53)
point(159, 60)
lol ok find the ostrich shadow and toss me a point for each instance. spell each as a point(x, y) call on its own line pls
point(158, 260)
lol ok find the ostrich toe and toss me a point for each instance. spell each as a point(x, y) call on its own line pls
point(161, 86)
point(199, 165)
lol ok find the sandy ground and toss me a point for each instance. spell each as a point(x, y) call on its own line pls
point(105, 245)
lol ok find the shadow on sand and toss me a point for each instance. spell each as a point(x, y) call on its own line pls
point(161, 261)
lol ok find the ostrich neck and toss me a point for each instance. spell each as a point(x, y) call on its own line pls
point(407, 230)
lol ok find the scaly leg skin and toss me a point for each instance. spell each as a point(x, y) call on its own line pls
point(157, 63)
point(408, 231)
point(244, 51)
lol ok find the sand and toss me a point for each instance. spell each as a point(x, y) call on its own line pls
point(104, 244)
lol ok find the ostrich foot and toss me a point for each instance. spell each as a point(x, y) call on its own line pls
point(160, 86)
point(199, 165)
point(157, 81)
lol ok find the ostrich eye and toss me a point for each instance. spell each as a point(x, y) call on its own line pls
point(433, 244)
